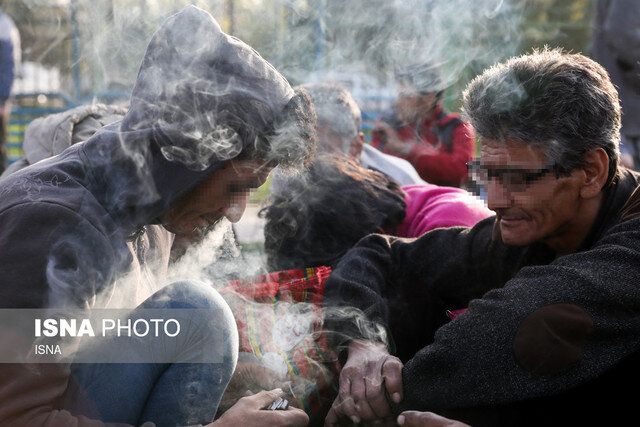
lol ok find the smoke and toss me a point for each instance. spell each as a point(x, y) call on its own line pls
point(183, 116)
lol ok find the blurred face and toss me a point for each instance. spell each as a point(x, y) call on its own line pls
point(328, 140)
point(412, 106)
point(224, 194)
point(530, 202)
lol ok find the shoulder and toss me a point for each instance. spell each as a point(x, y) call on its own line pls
point(52, 194)
point(398, 169)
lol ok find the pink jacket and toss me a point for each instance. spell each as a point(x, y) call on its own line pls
point(431, 206)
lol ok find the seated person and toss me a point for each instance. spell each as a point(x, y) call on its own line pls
point(325, 211)
point(78, 232)
point(550, 283)
point(418, 129)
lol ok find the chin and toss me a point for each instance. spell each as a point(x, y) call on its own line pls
point(516, 238)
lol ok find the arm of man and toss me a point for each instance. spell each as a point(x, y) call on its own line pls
point(48, 253)
point(549, 329)
point(580, 309)
point(405, 286)
point(444, 167)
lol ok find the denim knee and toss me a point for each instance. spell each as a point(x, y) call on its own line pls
point(211, 328)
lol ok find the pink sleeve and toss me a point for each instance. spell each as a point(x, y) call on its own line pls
point(430, 206)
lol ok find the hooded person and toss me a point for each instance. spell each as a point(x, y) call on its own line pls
point(208, 119)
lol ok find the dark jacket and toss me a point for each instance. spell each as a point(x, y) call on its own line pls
point(66, 223)
point(542, 339)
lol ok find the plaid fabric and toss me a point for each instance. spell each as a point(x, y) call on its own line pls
point(281, 313)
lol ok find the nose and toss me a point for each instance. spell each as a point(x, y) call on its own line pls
point(498, 197)
point(237, 206)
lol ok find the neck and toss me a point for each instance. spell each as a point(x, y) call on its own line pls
point(570, 237)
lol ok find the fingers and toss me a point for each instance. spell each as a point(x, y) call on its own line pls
point(376, 399)
point(345, 403)
point(331, 419)
point(291, 417)
point(392, 373)
point(359, 393)
point(426, 419)
point(262, 399)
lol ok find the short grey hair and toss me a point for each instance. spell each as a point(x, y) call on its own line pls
point(336, 109)
point(563, 103)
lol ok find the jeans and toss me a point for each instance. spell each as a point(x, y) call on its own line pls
point(168, 394)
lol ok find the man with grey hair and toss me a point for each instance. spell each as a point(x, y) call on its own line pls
point(531, 316)
point(339, 122)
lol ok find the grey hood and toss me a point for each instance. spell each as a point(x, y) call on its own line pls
point(201, 98)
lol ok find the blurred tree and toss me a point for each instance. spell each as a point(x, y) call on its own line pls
point(299, 37)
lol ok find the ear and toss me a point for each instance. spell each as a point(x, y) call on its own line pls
point(596, 170)
point(355, 149)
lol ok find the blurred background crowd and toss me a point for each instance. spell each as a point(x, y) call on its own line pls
point(60, 54)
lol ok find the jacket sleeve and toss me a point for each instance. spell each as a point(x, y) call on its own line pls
point(383, 274)
point(445, 167)
point(49, 256)
point(537, 331)
point(549, 329)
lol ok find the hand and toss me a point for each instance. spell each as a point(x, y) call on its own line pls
point(392, 141)
point(249, 378)
point(426, 419)
point(249, 412)
point(368, 372)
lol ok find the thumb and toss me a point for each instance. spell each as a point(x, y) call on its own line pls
point(412, 418)
point(264, 398)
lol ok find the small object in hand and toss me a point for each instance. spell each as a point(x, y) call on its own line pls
point(279, 404)
point(275, 404)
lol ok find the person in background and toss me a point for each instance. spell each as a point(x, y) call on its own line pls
point(10, 55)
point(327, 210)
point(52, 134)
point(83, 230)
point(339, 131)
point(550, 332)
point(418, 129)
point(615, 44)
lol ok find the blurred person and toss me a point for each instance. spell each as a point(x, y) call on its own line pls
point(52, 134)
point(10, 55)
point(327, 210)
point(339, 123)
point(547, 332)
point(91, 228)
point(418, 129)
point(615, 44)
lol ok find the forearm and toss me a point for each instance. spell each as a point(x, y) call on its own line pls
point(380, 274)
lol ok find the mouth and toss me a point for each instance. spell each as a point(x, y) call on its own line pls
point(512, 220)
point(211, 219)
